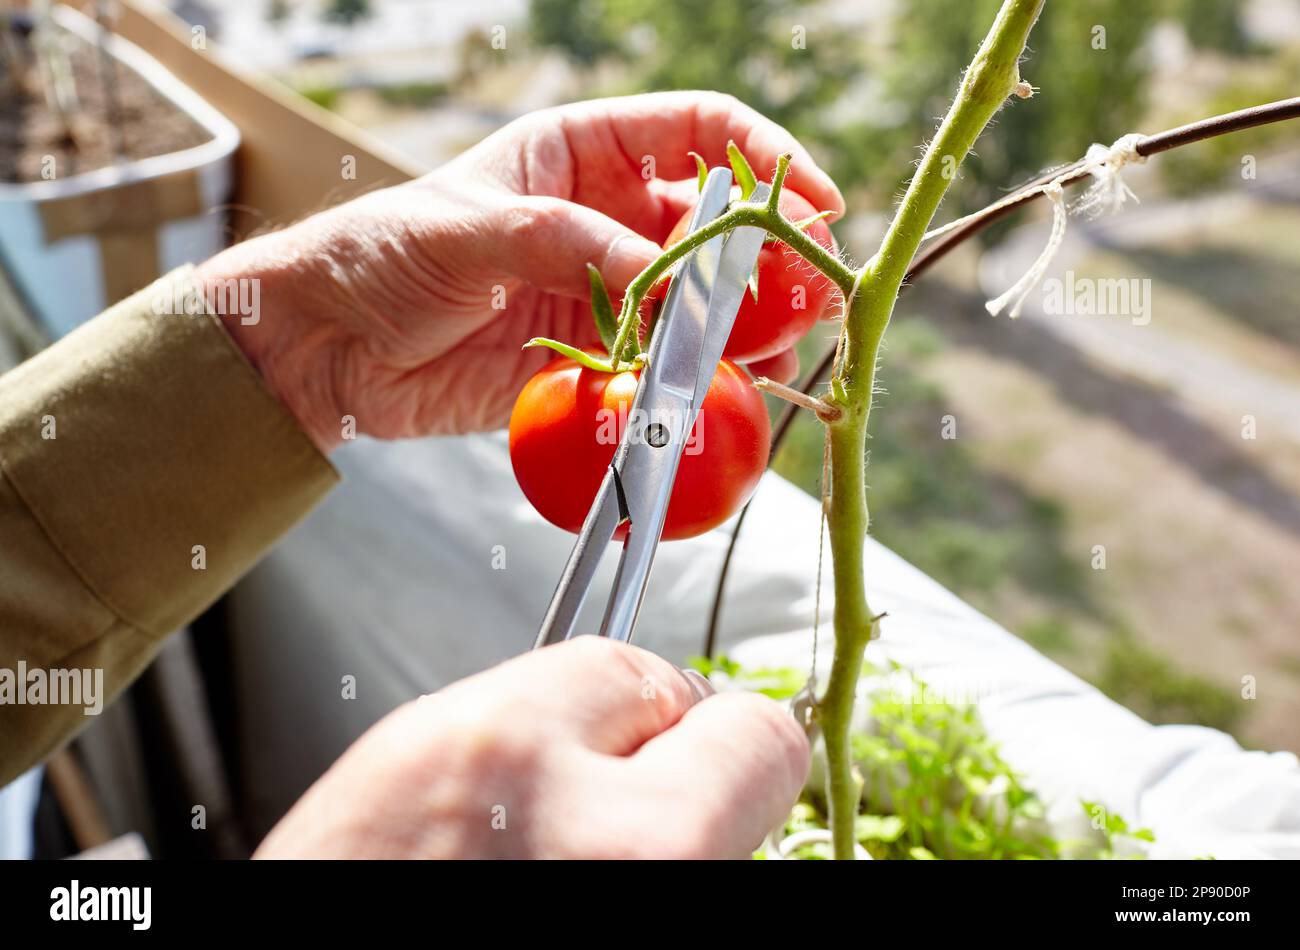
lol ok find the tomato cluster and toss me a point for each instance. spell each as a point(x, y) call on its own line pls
point(791, 294)
point(568, 419)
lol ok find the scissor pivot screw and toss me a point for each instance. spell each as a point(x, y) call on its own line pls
point(656, 434)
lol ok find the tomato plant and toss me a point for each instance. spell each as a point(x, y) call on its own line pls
point(552, 442)
point(568, 421)
point(787, 296)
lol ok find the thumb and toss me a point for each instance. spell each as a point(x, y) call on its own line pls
point(733, 765)
point(548, 242)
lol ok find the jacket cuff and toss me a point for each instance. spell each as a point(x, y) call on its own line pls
point(154, 456)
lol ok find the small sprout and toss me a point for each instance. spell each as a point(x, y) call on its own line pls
point(602, 308)
point(778, 180)
point(741, 169)
point(701, 170)
point(838, 392)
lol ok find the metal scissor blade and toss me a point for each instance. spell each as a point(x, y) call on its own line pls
point(687, 343)
point(665, 409)
point(646, 475)
point(677, 345)
point(580, 569)
point(729, 286)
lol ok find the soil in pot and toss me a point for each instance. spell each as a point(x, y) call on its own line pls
point(137, 122)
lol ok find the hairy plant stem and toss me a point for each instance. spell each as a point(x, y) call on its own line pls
point(992, 77)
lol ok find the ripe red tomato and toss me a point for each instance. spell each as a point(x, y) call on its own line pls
point(784, 367)
point(792, 294)
point(568, 421)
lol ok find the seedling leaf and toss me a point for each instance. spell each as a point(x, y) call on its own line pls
point(701, 170)
point(741, 169)
point(602, 309)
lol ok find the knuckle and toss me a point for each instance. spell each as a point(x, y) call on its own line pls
point(591, 651)
point(529, 222)
point(663, 693)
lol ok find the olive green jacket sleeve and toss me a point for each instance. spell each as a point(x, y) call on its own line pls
point(144, 466)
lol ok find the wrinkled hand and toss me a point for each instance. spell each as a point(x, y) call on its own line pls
point(406, 308)
point(586, 749)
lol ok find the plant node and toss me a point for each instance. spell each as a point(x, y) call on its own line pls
point(824, 410)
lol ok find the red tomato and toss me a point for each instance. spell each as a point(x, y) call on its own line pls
point(568, 421)
point(792, 294)
point(784, 367)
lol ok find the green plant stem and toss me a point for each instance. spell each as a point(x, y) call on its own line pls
point(992, 76)
point(744, 214)
point(581, 357)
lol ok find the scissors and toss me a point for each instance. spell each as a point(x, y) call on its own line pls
point(685, 348)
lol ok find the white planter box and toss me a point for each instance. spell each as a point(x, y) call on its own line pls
point(61, 275)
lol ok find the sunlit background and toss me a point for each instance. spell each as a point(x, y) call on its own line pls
point(1074, 433)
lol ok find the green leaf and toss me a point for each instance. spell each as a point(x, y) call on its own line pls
point(741, 169)
point(581, 357)
point(701, 169)
point(602, 308)
point(886, 828)
point(722, 664)
point(700, 664)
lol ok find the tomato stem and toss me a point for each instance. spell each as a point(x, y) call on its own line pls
point(740, 214)
point(778, 181)
point(992, 77)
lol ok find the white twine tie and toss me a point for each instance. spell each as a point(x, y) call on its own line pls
point(1024, 286)
point(1107, 194)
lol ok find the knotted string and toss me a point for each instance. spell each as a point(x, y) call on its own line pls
point(1024, 286)
point(1109, 191)
point(1107, 194)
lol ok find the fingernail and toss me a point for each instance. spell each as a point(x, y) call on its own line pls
point(700, 685)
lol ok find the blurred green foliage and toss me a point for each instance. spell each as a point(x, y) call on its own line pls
point(413, 95)
point(935, 784)
point(866, 100)
point(1153, 687)
point(327, 97)
point(1186, 171)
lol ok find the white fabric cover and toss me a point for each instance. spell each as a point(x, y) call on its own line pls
point(392, 581)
